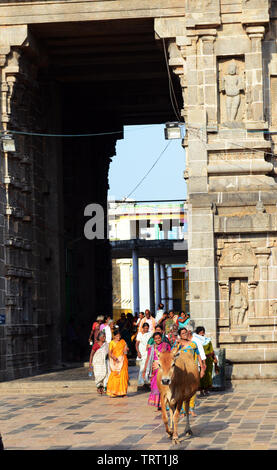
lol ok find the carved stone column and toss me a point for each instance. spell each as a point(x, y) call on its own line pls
point(252, 286)
point(224, 318)
point(262, 304)
point(254, 77)
point(194, 62)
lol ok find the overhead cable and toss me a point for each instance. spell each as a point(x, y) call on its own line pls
point(154, 164)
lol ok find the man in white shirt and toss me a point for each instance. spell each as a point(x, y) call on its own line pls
point(140, 317)
point(108, 331)
point(148, 319)
point(197, 339)
point(159, 313)
point(141, 348)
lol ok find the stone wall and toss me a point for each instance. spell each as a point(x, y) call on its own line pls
point(50, 274)
point(224, 55)
point(25, 251)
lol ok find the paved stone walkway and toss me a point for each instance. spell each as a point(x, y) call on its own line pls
point(242, 418)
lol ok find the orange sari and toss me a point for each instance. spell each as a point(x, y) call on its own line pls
point(118, 379)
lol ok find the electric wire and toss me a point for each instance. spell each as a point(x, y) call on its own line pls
point(95, 134)
point(150, 169)
point(197, 132)
point(171, 87)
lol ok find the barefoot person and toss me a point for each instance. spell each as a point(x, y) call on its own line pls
point(152, 366)
point(98, 360)
point(141, 348)
point(118, 379)
point(207, 381)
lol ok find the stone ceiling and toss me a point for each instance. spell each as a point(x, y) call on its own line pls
point(118, 66)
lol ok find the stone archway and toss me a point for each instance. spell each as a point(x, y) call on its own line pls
point(224, 57)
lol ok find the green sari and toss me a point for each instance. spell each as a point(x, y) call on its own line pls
point(207, 380)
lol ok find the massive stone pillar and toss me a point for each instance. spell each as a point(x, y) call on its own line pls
point(30, 201)
point(225, 57)
point(49, 273)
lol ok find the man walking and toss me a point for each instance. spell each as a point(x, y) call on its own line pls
point(159, 314)
point(148, 319)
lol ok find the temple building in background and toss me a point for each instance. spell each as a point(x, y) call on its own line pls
point(161, 278)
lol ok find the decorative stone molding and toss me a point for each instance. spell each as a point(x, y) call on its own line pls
point(202, 13)
point(251, 223)
point(255, 12)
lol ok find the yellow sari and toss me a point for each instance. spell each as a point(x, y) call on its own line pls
point(118, 379)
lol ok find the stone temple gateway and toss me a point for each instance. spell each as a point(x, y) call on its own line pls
point(82, 67)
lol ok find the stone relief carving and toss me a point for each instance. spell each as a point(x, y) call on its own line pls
point(235, 256)
point(237, 284)
point(231, 85)
point(231, 91)
point(260, 207)
point(246, 298)
point(238, 305)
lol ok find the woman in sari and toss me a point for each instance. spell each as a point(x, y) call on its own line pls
point(118, 379)
point(186, 345)
point(173, 334)
point(98, 359)
point(183, 319)
point(158, 329)
point(207, 381)
point(141, 347)
point(152, 366)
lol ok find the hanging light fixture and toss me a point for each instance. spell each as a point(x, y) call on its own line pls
point(173, 130)
point(8, 143)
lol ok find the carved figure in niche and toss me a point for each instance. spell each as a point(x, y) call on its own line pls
point(260, 207)
point(232, 84)
point(238, 305)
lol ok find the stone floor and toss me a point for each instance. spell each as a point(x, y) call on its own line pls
point(240, 418)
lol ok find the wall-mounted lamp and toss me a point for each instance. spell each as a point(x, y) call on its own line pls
point(173, 130)
point(8, 143)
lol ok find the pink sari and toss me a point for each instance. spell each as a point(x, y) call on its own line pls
point(154, 397)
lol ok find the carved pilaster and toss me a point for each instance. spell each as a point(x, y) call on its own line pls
point(262, 255)
point(224, 319)
point(254, 78)
point(177, 61)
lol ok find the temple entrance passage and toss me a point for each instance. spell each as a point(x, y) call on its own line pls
point(73, 75)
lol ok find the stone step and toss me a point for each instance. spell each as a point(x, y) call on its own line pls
point(72, 380)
